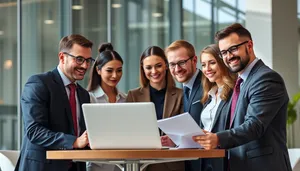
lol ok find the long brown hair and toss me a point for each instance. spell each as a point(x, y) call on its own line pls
point(157, 51)
point(227, 77)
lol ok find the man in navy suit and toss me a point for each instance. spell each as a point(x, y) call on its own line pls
point(51, 107)
point(256, 138)
point(182, 65)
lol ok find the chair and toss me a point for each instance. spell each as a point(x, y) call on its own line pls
point(294, 155)
point(8, 159)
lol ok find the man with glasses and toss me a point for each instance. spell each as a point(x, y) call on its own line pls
point(256, 138)
point(182, 65)
point(51, 107)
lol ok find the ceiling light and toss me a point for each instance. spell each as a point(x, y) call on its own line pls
point(8, 64)
point(48, 21)
point(116, 5)
point(156, 14)
point(49, 17)
point(77, 7)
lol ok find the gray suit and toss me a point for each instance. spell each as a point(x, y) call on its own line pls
point(257, 138)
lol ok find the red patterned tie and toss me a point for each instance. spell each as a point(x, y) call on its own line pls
point(235, 96)
point(72, 100)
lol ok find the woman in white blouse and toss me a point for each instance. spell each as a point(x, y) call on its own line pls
point(218, 83)
point(104, 77)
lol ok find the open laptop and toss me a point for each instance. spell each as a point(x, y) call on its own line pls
point(122, 125)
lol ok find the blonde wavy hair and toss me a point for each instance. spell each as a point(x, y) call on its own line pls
point(228, 77)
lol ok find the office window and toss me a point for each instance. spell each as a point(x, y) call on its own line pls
point(8, 75)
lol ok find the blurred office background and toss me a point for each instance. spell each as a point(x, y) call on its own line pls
point(30, 31)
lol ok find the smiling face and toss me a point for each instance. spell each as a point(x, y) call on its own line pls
point(211, 68)
point(111, 73)
point(238, 59)
point(69, 66)
point(181, 73)
point(155, 69)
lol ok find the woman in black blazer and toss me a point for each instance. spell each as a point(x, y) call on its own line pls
point(218, 83)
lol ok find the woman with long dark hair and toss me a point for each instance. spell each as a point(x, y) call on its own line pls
point(104, 77)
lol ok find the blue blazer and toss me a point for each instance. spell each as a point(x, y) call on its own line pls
point(48, 123)
point(257, 138)
point(195, 107)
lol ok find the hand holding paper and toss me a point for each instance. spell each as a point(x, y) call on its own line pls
point(181, 129)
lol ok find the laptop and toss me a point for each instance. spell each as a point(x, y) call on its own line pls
point(122, 125)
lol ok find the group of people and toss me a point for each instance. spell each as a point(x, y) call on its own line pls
point(237, 100)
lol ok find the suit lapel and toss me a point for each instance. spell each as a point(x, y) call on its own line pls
point(196, 87)
point(65, 100)
point(169, 103)
point(218, 113)
point(245, 86)
point(144, 95)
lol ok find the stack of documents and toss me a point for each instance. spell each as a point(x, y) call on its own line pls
point(181, 129)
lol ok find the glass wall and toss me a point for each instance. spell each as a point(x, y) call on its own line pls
point(131, 26)
point(203, 18)
point(8, 74)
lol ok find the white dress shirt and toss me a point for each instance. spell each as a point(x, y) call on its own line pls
point(66, 82)
point(209, 112)
point(99, 96)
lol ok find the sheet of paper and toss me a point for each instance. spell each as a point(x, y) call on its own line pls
point(181, 128)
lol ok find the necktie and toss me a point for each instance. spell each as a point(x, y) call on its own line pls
point(72, 100)
point(186, 95)
point(235, 96)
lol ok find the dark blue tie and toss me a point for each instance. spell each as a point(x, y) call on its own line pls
point(186, 95)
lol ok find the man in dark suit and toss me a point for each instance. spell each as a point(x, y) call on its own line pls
point(51, 107)
point(256, 139)
point(182, 65)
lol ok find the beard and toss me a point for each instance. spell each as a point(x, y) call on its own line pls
point(242, 64)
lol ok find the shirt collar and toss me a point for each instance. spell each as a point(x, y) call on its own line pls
point(246, 73)
point(192, 80)
point(64, 78)
point(212, 92)
point(98, 92)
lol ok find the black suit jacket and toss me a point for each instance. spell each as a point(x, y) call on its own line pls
point(219, 124)
point(48, 123)
point(195, 107)
point(257, 138)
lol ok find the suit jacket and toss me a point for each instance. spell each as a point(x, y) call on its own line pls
point(194, 108)
point(194, 105)
point(219, 124)
point(48, 123)
point(172, 106)
point(257, 138)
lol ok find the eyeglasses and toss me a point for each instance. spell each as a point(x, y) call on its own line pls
point(181, 63)
point(80, 60)
point(232, 49)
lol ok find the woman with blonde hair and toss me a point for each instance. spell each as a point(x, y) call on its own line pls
point(218, 83)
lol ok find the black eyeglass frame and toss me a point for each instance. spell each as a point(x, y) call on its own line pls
point(80, 60)
point(231, 49)
point(180, 63)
